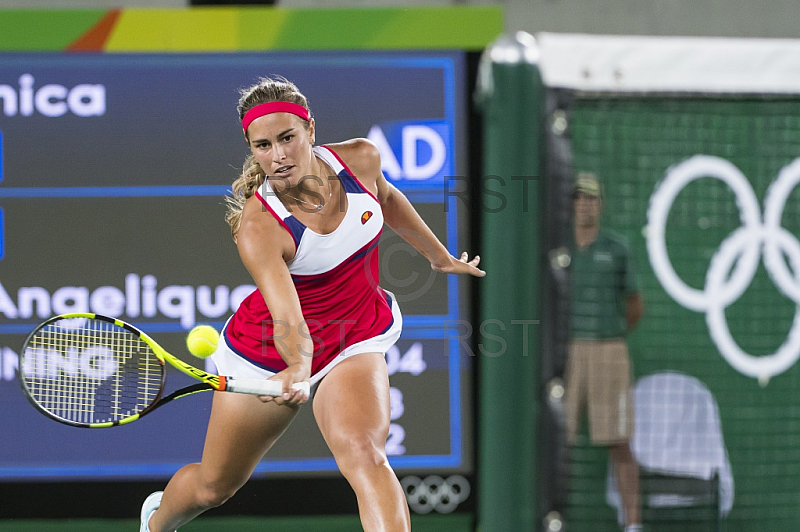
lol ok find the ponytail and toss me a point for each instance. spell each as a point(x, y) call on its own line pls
point(243, 188)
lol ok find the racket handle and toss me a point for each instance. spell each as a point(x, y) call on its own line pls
point(261, 386)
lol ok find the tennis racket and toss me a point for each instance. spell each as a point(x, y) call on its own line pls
point(88, 370)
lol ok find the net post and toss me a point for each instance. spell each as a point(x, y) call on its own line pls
point(510, 94)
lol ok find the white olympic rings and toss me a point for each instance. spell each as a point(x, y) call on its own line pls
point(435, 493)
point(734, 265)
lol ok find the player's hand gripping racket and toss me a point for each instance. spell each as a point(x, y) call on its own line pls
point(89, 370)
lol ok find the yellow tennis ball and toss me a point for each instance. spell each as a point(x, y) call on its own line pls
point(202, 341)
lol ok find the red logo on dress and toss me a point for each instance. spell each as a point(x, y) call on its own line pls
point(366, 216)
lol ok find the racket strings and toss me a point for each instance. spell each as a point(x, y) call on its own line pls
point(90, 371)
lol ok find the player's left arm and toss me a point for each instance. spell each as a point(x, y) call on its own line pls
point(401, 216)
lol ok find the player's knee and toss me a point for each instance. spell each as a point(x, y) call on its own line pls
point(213, 494)
point(360, 452)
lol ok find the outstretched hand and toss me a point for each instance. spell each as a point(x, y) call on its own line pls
point(460, 266)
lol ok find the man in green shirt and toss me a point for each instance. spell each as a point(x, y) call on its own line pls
point(606, 305)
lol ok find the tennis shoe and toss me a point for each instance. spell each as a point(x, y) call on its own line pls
point(151, 504)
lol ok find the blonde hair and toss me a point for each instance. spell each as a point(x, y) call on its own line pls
point(268, 89)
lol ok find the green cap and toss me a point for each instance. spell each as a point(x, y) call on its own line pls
point(587, 183)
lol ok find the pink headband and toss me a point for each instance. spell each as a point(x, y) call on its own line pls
point(273, 107)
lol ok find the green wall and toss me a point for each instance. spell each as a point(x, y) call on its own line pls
point(631, 143)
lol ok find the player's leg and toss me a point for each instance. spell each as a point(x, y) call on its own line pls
point(241, 430)
point(352, 406)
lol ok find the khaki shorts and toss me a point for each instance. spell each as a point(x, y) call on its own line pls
point(598, 375)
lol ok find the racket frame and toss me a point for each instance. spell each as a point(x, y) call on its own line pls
point(208, 381)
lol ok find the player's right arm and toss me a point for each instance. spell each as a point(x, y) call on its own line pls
point(264, 247)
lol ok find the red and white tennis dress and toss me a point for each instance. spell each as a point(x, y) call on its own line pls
point(336, 277)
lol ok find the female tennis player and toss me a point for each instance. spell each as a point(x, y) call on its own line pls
point(306, 221)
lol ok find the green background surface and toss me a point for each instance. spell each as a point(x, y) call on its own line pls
point(631, 143)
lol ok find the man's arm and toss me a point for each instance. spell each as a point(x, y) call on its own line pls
point(634, 308)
